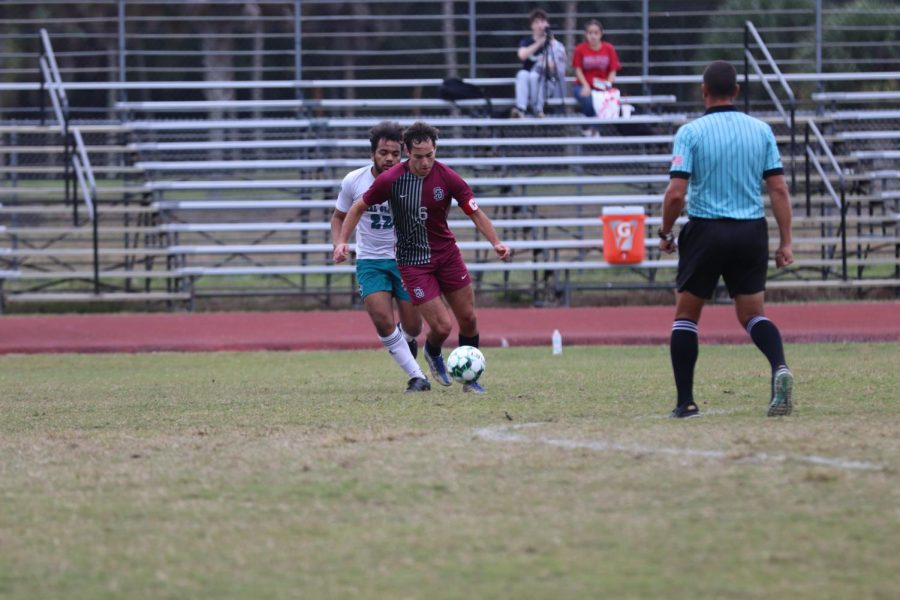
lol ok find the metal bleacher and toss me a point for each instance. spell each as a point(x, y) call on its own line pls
point(182, 201)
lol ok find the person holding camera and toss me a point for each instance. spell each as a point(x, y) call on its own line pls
point(543, 67)
point(596, 63)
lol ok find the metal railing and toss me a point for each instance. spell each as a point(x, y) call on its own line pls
point(789, 117)
point(133, 40)
point(299, 34)
point(812, 160)
point(76, 163)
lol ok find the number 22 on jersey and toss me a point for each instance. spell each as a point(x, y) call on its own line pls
point(382, 221)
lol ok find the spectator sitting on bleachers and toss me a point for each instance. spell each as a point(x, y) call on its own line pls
point(596, 63)
point(543, 67)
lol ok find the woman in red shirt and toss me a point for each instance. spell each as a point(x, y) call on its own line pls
point(596, 64)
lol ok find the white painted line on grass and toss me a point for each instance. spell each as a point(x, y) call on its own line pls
point(505, 433)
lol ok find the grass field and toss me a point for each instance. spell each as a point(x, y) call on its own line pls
point(308, 475)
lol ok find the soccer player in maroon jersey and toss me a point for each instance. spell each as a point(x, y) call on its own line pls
point(420, 190)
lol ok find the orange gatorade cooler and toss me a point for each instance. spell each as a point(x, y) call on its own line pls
point(623, 234)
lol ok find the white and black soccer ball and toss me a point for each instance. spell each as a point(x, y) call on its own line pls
point(466, 364)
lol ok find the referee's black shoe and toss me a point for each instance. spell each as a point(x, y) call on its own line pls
point(686, 411)
point(418, 384)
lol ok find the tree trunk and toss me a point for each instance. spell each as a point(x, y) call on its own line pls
point(253, 11)
point(217, 66)
point(449, 28)
point(571, 25)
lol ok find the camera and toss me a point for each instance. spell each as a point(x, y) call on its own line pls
point(548, 32)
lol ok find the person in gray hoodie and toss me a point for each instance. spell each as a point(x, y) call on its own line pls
point(543, 72)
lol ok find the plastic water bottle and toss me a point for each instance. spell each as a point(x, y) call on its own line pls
point(556, 339)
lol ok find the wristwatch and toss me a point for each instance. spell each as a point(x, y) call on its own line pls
point(669, 237)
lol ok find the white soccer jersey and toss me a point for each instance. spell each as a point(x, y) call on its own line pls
point(375, 232)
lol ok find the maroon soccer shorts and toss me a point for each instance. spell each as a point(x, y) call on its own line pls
point(443, 274)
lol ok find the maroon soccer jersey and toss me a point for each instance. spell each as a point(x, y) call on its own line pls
point(420, 206)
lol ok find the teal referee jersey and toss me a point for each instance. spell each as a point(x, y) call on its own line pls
point(725, 155)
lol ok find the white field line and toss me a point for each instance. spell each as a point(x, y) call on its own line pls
point(506, 434)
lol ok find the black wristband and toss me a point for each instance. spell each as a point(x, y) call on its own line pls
point(669, 237)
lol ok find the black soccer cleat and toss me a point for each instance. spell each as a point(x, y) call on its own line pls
point(686, 411)
point(418, 384)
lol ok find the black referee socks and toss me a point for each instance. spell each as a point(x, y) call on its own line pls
point(683, 348)
point(767, 338)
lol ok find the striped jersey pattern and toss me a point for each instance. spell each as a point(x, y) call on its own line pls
point(725, 155)
point(420, 206)
point(412, 237)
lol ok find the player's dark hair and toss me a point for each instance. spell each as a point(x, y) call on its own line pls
point(419, 132)
point(537, 13)
point(720, 79)
point(386, 130)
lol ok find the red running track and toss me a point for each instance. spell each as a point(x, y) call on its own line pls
point(321, 330)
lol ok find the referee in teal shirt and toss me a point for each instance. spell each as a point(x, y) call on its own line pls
point(718, 164)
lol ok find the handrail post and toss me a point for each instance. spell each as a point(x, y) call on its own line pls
point(793, 147)
point(96, 235)
point(746, 68)
point(41, 74)
point(789, 120)
point(806, 162)
point(68, 171)
point(843, 235)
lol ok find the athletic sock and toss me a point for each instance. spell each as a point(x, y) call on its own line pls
point(431, 350)
point(465, 340)
point(767, 338)
point(683, 349)
point(399, 351)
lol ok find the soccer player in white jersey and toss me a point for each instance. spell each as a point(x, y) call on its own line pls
point(376, 266)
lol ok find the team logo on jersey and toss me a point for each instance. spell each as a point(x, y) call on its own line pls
point(472, 206)
point(677, 160)
point(438, 194)
point(419, 292)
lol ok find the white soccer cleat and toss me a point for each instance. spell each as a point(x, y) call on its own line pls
point(782, 391)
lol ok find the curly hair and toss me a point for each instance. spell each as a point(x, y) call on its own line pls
point(386, 130)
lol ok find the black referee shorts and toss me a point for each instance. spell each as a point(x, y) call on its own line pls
point(736, 250)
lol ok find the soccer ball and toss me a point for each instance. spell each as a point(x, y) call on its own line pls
point(466, 364)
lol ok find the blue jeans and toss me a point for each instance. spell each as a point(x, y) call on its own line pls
point(586, 103)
